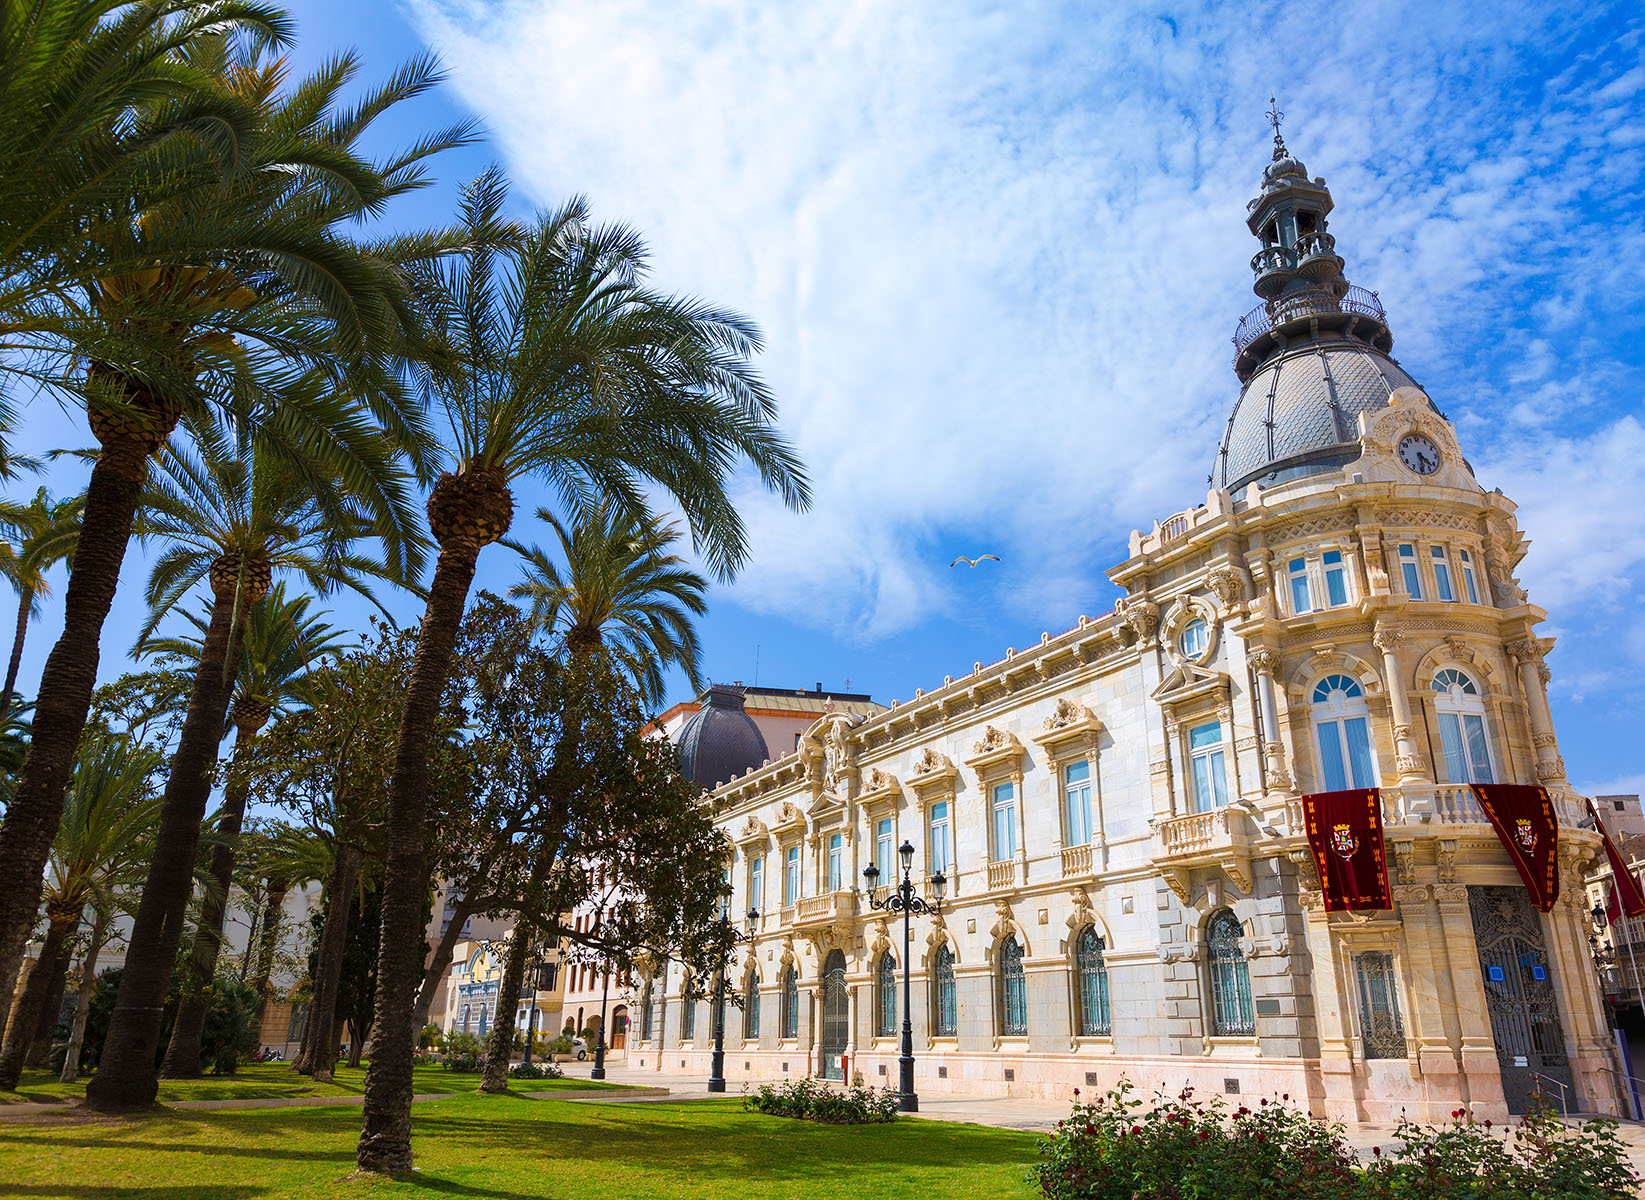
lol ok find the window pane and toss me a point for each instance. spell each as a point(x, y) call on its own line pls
point(1005, 824)
point(1013, 990)
point(1380, 1027)
point(1078, 772)
point(1450, 739)
point(1442, 574)
point(1408, 570)
point(1333, 771)
point(1357, 735)
point(1231, 1014)
point(1204, 797)
point(947, 1012)
point(1299, 594)
point(834, 862)
point(1219, 779)
point(1478, 754)
point(1094, 1020)
point(1205, 735)
point(1468, 577)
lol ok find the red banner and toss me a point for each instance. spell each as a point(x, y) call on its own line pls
point(1625, 890)
point(1523, 818)
point(1345, 834)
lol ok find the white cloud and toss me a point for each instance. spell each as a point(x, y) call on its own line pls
point(997, 252)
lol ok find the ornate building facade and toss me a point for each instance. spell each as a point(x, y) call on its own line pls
point(1117, 808)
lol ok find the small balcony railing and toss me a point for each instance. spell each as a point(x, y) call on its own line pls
point(1273, 258)
point(1002, 874)
point(1076, 860)
point(1202, 834)
point(825, 909)
point(1259, 321)
point(1316, 245)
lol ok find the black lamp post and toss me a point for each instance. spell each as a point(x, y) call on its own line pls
point(716, 1062)
point(903, 899)
point(534, 978)
point(599, 1040)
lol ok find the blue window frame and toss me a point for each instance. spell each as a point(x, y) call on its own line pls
point(1005, 821)
point(1336, 581)
point(1205, 761)
point(1076, 794)
point(945, 1018)
point(1013, 990)
point(791, 1004)
point(1442, 573)
point(1409, 572)
point(885, 996)
point(1094, 1016)
point(1301, 600)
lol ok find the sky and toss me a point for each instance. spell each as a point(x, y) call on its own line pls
point(998, 251)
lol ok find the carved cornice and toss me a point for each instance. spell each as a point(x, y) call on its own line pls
point(1071, 729)
point(998, 753)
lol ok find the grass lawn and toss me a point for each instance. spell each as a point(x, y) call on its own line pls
point(513, 1148)
point(263, 1081)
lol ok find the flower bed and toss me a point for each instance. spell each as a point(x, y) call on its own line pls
point(813, 1100)
point(1119, 1148)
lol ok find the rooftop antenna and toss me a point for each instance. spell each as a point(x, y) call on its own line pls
point(1274, 118)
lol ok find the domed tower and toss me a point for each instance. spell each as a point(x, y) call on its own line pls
point(1314, 354)
point(721, 740)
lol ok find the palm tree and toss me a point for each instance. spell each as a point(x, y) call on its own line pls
point(41, 534)
point(622, 592)
point(282, 858)
point(233, 515)
point(107, 829)
point(282, 641)
point(208, 292)
point(574, 373)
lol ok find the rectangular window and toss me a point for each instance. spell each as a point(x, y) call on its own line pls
point(1468, 585)
point(885, 850)
point(1467, 757)
point(1076, 792)
point(1345, 754)
point(941, 858)
point(1336, 580)
point(1005, 821)
point(1300, 600)
point(1206, 765)
point(791, 876)
point(1408, 571)
point(1442, 573)
point(836, 860)
point(756, 882)
point(1380, 1027)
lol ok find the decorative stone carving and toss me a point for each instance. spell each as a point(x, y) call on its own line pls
point(931, 759)
point(1067, 713)
point(1405, 862)
point(1388, 638)
point(1411, 893)
point(1524, 650)
point(1550, 768)
point(1229, 585)
point(1506, 589)
point(881, 781)
point(1140, 615)
point(1262, 660)
point(995, 739)
point(1445, 854)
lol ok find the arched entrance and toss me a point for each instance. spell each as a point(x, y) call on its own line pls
point(836, 1016)
point(619, 1027)
point(1519, 994)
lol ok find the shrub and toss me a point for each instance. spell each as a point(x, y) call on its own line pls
point(463, 1044)
point(1118, 1148)
point(813, 1100)
point(537, 1070)
point(430, 1037)
point(466, 1063)
point(559, 1045)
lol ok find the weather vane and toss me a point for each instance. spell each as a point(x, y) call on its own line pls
point(1274, 118)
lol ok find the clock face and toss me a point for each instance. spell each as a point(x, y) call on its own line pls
point(1419, 454)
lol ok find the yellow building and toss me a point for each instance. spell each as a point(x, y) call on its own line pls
point(1116, 808)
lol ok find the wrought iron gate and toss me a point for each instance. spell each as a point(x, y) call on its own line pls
point(1519, 993)
point(836, 1016)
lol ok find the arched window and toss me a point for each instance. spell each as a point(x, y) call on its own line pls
point(945, 1020)
point(751, 1008)
point(1342, 730)
point(791, 1004)
point(885, 996)
point(645, 1013)
point(1193, 639)
point(1461, 712)
point(1013, 990)
point(1230, 978)
point(1093, 985)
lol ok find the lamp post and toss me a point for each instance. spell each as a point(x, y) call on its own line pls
point(534, 979)
point(716, 1062)
point(599, 1041)
point(904, 899)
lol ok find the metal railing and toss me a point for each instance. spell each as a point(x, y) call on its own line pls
point(1358, 300)
point(1564, 1109)
point(1633, 1087)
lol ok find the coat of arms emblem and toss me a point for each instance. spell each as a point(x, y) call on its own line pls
point(1525, 834)
point(1343, 840)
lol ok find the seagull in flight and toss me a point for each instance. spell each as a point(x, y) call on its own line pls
point(972, 562)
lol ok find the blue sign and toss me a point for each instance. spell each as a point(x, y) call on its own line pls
point(1539, 972)
point(1496, 974)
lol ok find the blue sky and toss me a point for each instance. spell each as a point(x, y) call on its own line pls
point(998, 252)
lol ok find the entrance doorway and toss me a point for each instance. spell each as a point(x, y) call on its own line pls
point(619, 1027)
point(836, 1016)
point(1519, 995)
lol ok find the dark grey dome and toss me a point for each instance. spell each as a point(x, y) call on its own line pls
point(1298, 413)
point(720, 741)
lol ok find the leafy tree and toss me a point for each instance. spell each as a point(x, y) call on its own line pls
point(280, 858)
point(572, 372)
point(40, 535)
point(622, 593)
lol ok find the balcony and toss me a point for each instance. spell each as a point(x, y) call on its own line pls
point(1076, 860)
point(816, 912)
point(1273, 258)
point(1002, 875)
point(1358, 302)
point(1312, 246)
point(1223, 837)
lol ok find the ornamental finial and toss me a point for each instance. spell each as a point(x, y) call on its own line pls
point(1274, 118)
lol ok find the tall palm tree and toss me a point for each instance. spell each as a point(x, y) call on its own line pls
point(621, 593)
point(233, 515)
point(282, 641)
point(239, 290)
point(39, 535)
point(574, 373)
point(283, 858)
point(108, 827)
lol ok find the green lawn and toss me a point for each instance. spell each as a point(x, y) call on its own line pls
point(263, 1081)
point(513, 1148)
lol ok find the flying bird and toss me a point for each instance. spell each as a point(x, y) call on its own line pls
point(971, 562)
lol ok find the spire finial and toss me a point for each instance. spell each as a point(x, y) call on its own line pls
point(1274, 118)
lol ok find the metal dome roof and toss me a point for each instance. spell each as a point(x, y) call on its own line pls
point(720, 741)
point(1298, 413)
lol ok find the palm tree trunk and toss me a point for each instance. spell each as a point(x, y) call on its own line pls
point(356, 1045)
point(252, 932)
point(385, 1139)
point(272, 911)
point(183, 1051)
point(51, 1008)
point(501, 1046)
point(328, 967)
point(126, 1075)
point(82, 1002)
point(25, 605)
point(25, 1014)
point(64, 695)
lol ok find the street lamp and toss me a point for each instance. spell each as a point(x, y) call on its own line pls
point(599, 1035)
point(534, 984)
point(716, 1063)
point(904, 900)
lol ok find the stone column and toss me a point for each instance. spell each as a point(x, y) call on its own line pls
point(1409, 760)
point(1533, 679)
point(1263, 661)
